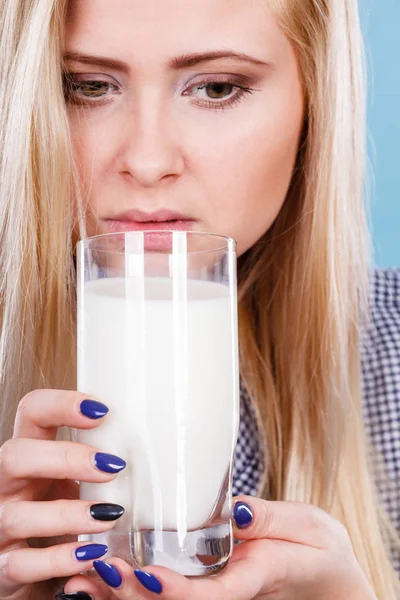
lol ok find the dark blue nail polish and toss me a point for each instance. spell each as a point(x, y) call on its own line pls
point(91, 551)
point(74, 596)
point(93, 409)
point(109, 574)
point(108, 462)
point(150, 582)
point(243, 515)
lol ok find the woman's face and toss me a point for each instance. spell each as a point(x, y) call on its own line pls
point(185, 111)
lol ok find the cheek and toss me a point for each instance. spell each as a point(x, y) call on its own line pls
point(248, 176)
point(94, 158)
point(89, 148)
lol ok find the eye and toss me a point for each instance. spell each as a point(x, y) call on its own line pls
point(91, 89)
point(219, 94)
point(79, 89)
point(217, 90)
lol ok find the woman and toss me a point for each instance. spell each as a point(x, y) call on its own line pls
point(134, 120)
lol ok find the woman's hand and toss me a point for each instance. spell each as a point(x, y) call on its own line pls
point(292, 551)
point(38, 495)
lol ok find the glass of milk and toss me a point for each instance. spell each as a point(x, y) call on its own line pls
point(158, 344)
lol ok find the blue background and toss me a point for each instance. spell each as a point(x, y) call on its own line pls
point(381, 26)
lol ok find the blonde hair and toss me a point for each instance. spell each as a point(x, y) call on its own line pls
point(303, 286)
point(36, 270)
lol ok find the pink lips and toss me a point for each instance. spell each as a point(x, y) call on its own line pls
point(161, 221)
point(159, 216)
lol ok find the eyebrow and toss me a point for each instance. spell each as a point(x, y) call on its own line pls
point(175, 64)
point(190, 60)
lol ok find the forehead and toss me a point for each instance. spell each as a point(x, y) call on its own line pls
point(148, 29)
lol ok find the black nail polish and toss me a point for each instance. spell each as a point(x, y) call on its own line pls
point(93, 409)
point(74, 596)
point(109, 463)
point(106, 512)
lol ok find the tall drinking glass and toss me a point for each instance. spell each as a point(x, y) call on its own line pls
point(157, 343)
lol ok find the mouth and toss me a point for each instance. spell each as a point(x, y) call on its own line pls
point(137, 220)
point(160, 223)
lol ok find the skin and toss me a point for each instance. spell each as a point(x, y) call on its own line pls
point(156, 144)
point(152, 145)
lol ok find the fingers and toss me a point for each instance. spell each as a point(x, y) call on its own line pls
point(116, 576)
point(257, 567)
point(22, 459)
point(31, 565)
point(95, 589)
point(237, 582)
point(286, 546)
point(24, 520)
point(129, 584)
point(41, 412)
point(290, 521)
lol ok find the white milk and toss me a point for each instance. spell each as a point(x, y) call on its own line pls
point(176, 432)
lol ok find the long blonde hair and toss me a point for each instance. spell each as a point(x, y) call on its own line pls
point(303, 286)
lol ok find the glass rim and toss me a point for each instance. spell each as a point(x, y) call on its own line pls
point(230, 243)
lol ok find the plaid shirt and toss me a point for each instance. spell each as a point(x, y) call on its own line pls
point(380, 362)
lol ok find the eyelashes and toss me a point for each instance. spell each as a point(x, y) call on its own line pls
point(88, 91)
point(80, 91)
point(217, 87)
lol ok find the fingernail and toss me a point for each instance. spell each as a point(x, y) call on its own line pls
point(93, 409)
point(74, 596)
point(243, 515)
point(108, 462)
point(109, 574)
point(106, 512)
point(91, 551)
point(150, 582)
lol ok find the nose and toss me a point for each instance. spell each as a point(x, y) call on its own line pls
point(149, 150)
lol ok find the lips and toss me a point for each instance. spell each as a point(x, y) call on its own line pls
point(123, 226)
point(158, 222)
point(136, 220)
point(160, 216)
